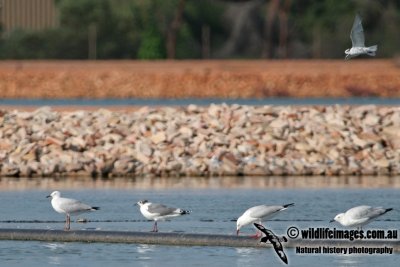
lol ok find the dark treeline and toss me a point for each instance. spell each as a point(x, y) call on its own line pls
point(195, 29)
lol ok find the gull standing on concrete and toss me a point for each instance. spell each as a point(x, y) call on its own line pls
point(69, 207)
point(358, 41)
point(360, 216)
point(155, 211)
point(258, 214)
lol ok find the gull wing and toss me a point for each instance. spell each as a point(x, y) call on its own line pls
point(362, 212)
point(72, 205)
point(264, 211)
point(357, 33)
point(160, 209)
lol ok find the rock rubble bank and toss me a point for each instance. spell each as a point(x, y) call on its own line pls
point(195, 140)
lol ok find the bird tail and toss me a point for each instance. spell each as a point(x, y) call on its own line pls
point(288, 205)
point(371, 51)
point(183, 212)
point(372, 48)
point(95, 208)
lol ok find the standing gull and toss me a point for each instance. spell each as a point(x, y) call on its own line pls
point(155, 211)
point(358, 41)
point(69, 207)
point(258, 214)
point(359, 216)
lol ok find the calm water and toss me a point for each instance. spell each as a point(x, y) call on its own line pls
point(202, 102)
point(213, 211)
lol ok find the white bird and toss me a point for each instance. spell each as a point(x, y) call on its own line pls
point(358, 41)
point(69, 207)
point(258, 214)
point(359, 216)
point(155, 211)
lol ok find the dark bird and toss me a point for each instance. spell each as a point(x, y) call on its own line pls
point(274, 240)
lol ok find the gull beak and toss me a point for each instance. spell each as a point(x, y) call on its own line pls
point(48, 196)
point(331, 221)
point(136, 204)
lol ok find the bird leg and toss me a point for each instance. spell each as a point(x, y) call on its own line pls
point(67, 223)
point(155, 228)
point(257, 235)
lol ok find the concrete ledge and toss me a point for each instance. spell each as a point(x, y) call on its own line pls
point(181, 239)
point(177, 239)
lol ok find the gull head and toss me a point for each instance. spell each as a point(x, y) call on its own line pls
point(347, 51)
point(238, 225)
point(55, 194)
point(142, 202)
point(338, 218)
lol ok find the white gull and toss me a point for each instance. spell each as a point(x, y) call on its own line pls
point(360, 216)
point(258, 214)
point(156, 212)
point(69, 207)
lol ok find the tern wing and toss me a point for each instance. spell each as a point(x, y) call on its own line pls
point(357, 33)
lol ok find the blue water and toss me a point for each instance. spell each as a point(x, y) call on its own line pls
point(77, 254)
point(202, 102)
point(213, 211)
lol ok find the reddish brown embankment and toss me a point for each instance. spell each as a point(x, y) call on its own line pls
point(207, 79)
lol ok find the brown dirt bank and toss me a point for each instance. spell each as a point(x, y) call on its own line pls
point(219, 78)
